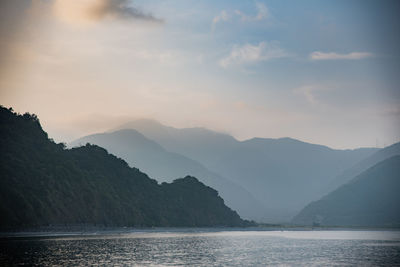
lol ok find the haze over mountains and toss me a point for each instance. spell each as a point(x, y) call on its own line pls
point(165, 166)
point(283, 174)
point(325, 72)
point(44, 184)
point(363, 165)
point(199, 143)
point(370, 199)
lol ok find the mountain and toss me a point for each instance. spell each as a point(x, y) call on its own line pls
point(363, 165)
point(200, 144)
point(42, 184)
point(162, 165)
point(284, 174)
point(370, 199)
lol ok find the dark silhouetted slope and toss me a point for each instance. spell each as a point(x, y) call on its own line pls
point(42, 183)
point(162, 165)
point(370, 199)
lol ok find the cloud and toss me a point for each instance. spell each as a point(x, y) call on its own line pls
point(262, 13)
point(317, 55)
point(310, 92)
point(92, 11)
point(224, 16)
point(307, 92)
point(251, 54)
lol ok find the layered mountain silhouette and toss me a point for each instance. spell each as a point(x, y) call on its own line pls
point(363, 165)
point(283, 174)
point(200, 144)
point(165, 166)
point(286, 174)
point(43, 183)
point(370, 199)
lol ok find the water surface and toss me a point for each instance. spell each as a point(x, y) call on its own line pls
point(199, 247)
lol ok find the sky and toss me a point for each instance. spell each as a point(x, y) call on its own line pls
point(324, 72)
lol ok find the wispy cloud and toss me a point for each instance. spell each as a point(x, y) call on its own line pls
point(262, 13)
point(309, 92)
point(317, 55)
point(251, 54)
point(224, 16)
point(91, 11)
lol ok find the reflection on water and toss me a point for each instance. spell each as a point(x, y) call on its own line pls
point(211, 248)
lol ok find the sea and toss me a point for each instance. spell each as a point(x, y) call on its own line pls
point(202, 247)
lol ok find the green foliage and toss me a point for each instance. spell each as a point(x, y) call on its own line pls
point(42, 184)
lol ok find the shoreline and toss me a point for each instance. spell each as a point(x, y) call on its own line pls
point(49, 232)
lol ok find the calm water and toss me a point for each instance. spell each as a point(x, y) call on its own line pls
point(205, 248)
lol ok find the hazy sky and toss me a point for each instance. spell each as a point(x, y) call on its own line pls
point(325, 72)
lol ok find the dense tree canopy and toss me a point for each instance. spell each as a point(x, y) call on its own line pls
point(42, 184)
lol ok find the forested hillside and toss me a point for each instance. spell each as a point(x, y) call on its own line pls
point(42, 184)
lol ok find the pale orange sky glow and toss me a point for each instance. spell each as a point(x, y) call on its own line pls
point(89, 66)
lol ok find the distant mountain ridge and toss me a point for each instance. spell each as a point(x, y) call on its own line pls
point(164, 166)
point(43, 184)
point(370, 199)
point(198, 143)
point(284, 174)
point(363, 165)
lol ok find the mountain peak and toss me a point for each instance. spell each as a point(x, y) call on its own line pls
point(89, 186)
point(141, 123)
